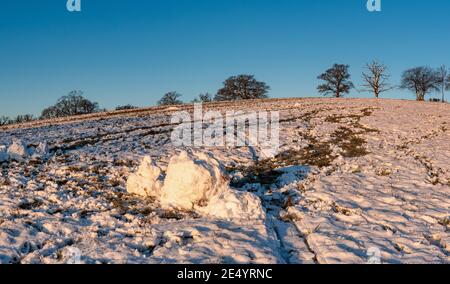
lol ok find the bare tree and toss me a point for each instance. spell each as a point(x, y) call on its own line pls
point(24, 118)
point(126, 107)
point(420, 80)
point(50, 112)
point(376, 79)
point(205, 98)
point(242, 87)
point(21, 118)
point(337, 81)
point(443, 78)
point(4, 120)
point(171, 98)
point(72, 104)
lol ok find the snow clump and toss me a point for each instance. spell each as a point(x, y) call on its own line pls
point(147, 181)
point(17, 151)
point(195, 182)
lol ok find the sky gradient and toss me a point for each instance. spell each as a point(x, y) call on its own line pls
point(132, 52)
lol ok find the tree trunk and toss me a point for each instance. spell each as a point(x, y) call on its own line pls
point(420, 97)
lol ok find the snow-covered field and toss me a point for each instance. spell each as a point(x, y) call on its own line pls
point(354, 178)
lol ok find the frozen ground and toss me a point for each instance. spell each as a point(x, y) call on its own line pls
point(353, 178)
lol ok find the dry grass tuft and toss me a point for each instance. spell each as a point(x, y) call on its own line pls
point(352, 146)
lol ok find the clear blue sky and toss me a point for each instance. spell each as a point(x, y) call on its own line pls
point(133, 51)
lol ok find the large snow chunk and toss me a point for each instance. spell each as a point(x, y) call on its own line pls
point(147, 181)
point(232, 204)
point(18, 150)
point(192, 181)
point(196, 182)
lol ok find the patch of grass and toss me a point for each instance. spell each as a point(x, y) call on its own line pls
point(30, 204)
point(352, 146)
point(35, 162)
point(305, 117)
point(288, 217)
point(115, 182)
point(85, 213)
point(6, 182)
point(316, 153)
point(264, 172)
point(368, 129)
point(124, 163)
point(338, 118)
point(289, 202)
point(145, 211)
point(171, 215)
point(444, 222)
point(367, 111)
point(341, 210)
point(76, 168)
point(118, 202)
point(62, 182)
point(383, 172)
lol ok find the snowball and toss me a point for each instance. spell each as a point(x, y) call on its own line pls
point(147, 181)
point(17, 151)
point(195, 182)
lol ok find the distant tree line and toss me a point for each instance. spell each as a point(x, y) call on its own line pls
point(241, 87)
point(4, 120)
point(336, 81)
point(72, 104)
point(419, 80)
point(126, 107)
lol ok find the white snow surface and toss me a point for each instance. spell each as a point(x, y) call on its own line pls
point(353, 175)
